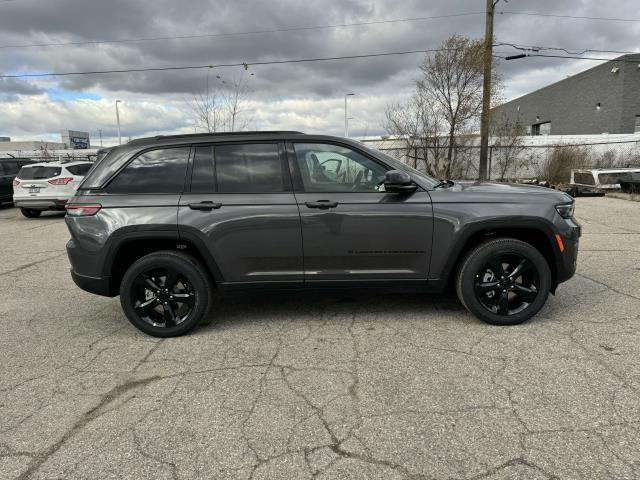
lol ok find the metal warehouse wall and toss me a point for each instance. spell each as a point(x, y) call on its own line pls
point(570, 105)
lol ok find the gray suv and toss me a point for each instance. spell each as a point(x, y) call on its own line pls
point(164, 221)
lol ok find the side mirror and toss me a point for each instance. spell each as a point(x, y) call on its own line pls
point(396, 181)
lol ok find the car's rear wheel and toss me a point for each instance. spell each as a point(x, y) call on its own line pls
point(504, 281)
point(30, 212)
point(166, 294)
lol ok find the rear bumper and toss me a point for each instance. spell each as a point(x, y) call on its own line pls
point(91, 279)
point(40, 203)
point(95, 285)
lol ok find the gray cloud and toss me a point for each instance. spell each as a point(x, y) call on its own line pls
point(377, 79)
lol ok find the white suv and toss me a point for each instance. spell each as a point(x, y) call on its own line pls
point(47, 186)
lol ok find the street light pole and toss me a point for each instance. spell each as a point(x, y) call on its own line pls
point(118, 121)
point(346, 118)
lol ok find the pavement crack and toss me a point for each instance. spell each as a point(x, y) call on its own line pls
point(608, 287)
point(511, 463)
point(96, 412)
point(32, 264)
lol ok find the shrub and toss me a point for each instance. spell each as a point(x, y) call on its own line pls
point(556, 167)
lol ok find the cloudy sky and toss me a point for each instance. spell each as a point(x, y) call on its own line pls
point(303, 96)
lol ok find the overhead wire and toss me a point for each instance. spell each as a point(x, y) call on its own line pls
point(246, 65)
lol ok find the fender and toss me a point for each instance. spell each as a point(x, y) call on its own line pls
point(129, 234)
point(195, 237)
point(460, 238)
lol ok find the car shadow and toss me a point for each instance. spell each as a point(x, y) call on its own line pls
point(236, 309)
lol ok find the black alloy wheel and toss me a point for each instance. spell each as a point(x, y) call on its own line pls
point(162, 297)
point(504, 281)
point(507, 284)
point(166, 293)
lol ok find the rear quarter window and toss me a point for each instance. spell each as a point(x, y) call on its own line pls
point(79, 170)
point(155, 171)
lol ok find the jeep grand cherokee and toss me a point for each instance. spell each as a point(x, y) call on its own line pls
point(164, 221)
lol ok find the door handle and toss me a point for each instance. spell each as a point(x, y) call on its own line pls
point(322, 204)
point(204, 206)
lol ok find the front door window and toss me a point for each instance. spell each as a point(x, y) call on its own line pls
point(334, 169)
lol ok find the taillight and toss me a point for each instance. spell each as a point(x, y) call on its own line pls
point(15, 183)
point(80, 210)
point(60, 181)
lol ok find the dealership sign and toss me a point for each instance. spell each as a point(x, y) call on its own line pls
point(79, 143)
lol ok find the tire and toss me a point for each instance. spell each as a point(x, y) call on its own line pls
point(30, 212)
point(146, 279)
point(478, 287)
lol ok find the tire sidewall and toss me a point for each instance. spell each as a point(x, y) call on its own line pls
point(479, 258)
point(30, 213)
point(187, 267)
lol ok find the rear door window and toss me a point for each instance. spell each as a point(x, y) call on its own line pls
point(155, 171)
point(203, 176)
point(38, 173)
point(250, 168)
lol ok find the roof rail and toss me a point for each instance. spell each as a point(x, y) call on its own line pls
point(217, 134)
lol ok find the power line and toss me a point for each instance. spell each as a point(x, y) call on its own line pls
point(575, 57)
point(576, 17)
point(568, 51)
point(237, 64)
point(232, 34)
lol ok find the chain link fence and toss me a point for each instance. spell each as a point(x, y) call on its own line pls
point(550, 162)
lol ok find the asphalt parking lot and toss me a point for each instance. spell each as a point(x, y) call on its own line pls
point(325, 386)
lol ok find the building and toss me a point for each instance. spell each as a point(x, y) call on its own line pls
point(71, 140)
point(76, 140)
point(31, 145)
point(603, 99)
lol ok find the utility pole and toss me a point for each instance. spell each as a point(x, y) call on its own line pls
point(100, 133)
point(486, 90)
point(346, 118)
point(118, 121)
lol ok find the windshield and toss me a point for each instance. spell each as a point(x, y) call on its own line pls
point(398, 165)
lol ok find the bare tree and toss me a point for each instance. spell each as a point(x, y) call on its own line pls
point(445, 106)
point(452, 81)
point(235, 99)
point(220, 106)
point(418, 126)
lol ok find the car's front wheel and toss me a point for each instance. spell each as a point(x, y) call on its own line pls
point(166, 294)
point(504, 281)
point(30, 212)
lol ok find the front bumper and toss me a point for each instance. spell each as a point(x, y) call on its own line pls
point(40, 203)
point(568, 259)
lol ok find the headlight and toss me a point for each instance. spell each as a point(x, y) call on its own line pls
point(566, 209)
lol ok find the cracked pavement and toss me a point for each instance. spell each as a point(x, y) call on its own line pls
point(325, 386)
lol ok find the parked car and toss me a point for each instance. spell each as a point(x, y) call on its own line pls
point(47, 186)
point(163, 221)
point(9, 168)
